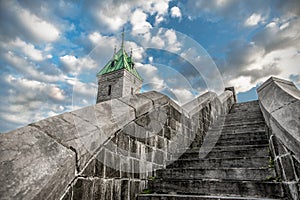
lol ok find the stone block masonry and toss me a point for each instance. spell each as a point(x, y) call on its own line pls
point(106, 151)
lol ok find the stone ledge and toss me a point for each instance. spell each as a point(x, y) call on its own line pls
point(34, 165)
point(274, 79)
point(281, 109)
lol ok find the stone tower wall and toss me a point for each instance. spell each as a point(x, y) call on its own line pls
point(121, 82)
point(116, 80)
point(131, 81)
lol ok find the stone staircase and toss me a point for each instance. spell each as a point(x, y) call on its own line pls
point(238, 167)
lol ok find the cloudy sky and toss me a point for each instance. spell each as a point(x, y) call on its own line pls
point(50, 51)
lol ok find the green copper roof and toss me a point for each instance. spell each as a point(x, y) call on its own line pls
point(120, 60)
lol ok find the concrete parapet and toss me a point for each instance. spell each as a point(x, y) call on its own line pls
point(280, 104)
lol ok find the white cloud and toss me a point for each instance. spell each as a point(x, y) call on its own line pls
point(137, 51)
point(275, 37)
point(150, 59)
point(30, 89)
point(139, 22)
point(158, 19)
point(163, 39)
point(115, 18)
point(28, 69)
point(273, 51)
point(157, 42)
point(160, 6)
point(28, 49)
point(152, 78)
point(105, 45)
point(38, 27)
point(114, 14)
point(183, 95)
point(241, 83)
point(173, 44)
point(27, 101)
point(254, 20)
point(175, 12)
point(147, 69)
point(74, 65)
point(84, 94)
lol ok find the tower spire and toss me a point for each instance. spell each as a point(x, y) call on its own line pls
point(122, 45)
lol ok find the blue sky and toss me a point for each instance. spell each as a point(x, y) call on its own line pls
point(50, 51)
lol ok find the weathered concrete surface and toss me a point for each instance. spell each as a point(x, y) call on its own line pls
point(85, 130)
point(34, 165)
point(140, 103)
point(280, 103)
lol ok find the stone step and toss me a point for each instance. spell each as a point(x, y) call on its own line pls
point(240, 111)
point(192, 197)
point(238, 130)
point(241, 135)
point(244, 115)
point(245, 109)
point(238, 140)
point(239, 125)
point(230, 152)
point(221, 162)
point(258, 189)
point(258, 174)
point(238, 120)
point(230, 148)
point(246, 141)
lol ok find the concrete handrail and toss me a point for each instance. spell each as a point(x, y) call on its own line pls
point(280, 103)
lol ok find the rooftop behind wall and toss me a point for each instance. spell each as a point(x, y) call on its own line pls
point(105, 151)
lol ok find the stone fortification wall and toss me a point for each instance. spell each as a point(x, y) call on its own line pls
point(105, 151)
point(280, 103)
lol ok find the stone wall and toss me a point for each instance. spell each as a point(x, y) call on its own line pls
point(280, 103)
point(121, 82)
point(131, 81)
point(105, 151)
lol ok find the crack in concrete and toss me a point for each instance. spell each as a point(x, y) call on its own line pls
point(135, 115)
point(59, 142)
point(291, 102)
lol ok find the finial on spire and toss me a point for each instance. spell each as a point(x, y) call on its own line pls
point(122, 46)
point(131, 53)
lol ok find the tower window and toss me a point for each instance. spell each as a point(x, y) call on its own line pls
point(109, 90)
point(131, 91)
point(112, 63)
